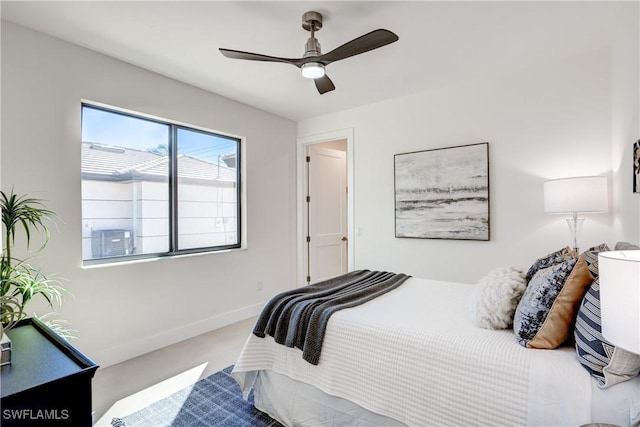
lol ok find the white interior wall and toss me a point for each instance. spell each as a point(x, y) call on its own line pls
point(125, 310)
point(625, 116)
point(545, 122)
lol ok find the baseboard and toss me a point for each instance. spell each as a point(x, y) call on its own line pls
point(129, 350)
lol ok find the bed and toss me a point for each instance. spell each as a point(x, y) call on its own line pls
point(413, 357)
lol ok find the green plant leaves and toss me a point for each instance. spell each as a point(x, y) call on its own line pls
point(19, 280)
point(25, 211)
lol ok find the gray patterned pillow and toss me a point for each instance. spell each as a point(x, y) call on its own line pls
point(549, 260)
point(538, 298)
point(625, 246)
point(545, 315)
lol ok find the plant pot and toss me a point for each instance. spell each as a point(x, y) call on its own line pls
point(5, 345)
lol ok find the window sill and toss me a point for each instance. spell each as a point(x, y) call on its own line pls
point(106, 263)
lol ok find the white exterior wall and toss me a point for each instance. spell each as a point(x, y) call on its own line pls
point(121, 311)
point(114, 210)
point(151, 218)
point(207, 215)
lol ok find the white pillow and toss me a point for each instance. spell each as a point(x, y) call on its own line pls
point(496, 297)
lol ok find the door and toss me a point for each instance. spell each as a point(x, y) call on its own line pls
point(326, 213)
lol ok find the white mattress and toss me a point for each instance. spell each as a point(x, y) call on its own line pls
point(412, 355)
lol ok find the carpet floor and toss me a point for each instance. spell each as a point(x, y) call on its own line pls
point(212, 401)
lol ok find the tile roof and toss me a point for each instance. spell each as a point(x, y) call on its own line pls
point(108, 162)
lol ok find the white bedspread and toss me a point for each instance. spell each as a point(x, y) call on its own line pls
point(413, 355)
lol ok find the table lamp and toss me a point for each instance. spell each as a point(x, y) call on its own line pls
point(619, 273)
point(583, 194)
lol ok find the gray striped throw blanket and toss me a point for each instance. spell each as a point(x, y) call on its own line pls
point(299, 317)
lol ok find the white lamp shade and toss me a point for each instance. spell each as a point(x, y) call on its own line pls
point(586, 194)
point(619, 275)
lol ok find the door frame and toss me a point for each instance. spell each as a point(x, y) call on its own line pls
point(303, 143)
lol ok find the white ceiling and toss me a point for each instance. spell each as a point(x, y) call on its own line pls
point(441, 42)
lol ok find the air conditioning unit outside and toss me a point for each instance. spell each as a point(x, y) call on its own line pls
point(109, 243)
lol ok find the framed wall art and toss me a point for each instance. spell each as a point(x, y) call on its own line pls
point(443, 193)
point(636, 167)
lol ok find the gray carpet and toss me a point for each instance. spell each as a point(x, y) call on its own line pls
point(212, 401)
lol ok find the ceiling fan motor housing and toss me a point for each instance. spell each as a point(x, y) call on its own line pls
point(312, 21)
point(312, 48)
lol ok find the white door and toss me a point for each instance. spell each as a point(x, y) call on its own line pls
point(326, 213)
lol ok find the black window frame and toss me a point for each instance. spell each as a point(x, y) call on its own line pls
point(172, 188)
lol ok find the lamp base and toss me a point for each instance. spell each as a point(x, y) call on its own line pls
point(575, 225)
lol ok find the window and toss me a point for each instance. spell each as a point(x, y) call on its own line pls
point(153, 188)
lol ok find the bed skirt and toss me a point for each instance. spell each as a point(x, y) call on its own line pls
point(294, 403)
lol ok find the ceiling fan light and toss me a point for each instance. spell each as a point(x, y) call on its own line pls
point(313, 70)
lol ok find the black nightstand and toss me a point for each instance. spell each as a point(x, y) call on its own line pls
point(48, 382)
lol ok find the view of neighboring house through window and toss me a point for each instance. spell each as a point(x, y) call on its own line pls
point(152, 188)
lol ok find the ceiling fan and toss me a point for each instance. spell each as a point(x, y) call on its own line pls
point(313, 61)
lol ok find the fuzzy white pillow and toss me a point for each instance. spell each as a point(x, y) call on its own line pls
point(496, 297)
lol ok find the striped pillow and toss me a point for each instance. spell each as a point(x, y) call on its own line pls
point(605, 362)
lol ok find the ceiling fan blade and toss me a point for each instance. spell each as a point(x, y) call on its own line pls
point(238, 54)
point(324, 84)
point(362, 44)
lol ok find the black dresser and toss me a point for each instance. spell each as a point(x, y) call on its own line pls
point(48, 382)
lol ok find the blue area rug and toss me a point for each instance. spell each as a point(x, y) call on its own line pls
point(212, 401)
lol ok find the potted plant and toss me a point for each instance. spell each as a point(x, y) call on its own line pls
point(19, 280)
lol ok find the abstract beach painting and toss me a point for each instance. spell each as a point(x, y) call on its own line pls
point(636, 167)
point(443, 193)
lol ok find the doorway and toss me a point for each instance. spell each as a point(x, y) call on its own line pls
point(325, 206)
